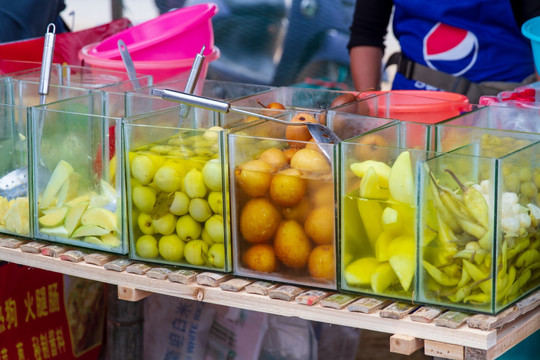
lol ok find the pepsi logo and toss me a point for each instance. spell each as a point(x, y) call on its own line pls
point(450, 49)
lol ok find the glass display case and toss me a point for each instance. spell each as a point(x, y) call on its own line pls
point(379, 211)
point(480, 216)
point(16, 98)
point(76, 177)
point(177, 187)
point(284, 197)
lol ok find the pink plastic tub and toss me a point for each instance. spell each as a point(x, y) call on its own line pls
point(178, 34)
point(161, 70)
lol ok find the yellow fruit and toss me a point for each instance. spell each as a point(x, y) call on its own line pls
point(319, 225)
point(287, 188)
point(143, 169)
point(382, 278)
point(321, 262)
point(168, 179)
point(298, 212)
point(310, 162)
point(402, 245)
point(383, 171)
point(404, 267)
point(401, 179)
point(323, 195)
point(274, 157)
point(171, 248)
point(147, 247)
point(259, 220)
point(144, 198)
point(372, 148)
point(292, 245)
point(359, 272)
point(370, 187)
point(370, 213)
point(382, 245)
point(254, 177)
point(61, 173)
point(299, 133)
point(260, 257)
point(391, 221)
point(53, 218)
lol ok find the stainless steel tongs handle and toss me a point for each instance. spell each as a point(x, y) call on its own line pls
point(46, 63)
point(211, 104)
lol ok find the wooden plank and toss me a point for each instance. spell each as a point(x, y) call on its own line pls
point(489, 322)
point(405, 344)
point(463, 336)
point(444, 350)
point(508, 337)
point(129, 293)
point(426, 314)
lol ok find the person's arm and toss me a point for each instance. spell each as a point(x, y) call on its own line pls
point(524, 10)
point(366, 44)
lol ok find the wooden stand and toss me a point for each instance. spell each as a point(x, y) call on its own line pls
point(441, 333)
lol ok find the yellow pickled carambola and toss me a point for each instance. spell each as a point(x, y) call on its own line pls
point(474, 201)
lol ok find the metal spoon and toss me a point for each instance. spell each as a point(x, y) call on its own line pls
point(128, 63)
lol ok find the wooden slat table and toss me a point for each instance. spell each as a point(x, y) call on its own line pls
point(440, 332)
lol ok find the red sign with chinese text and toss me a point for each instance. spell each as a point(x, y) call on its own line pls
point(42, 315)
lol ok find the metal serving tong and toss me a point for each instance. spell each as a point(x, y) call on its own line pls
point(321, 133)
point(15, 183)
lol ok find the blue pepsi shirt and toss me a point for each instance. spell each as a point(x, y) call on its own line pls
point(477, 39)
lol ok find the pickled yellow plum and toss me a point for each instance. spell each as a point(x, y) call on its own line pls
point(178, 199)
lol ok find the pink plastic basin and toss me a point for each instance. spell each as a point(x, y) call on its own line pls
point(161, 70)
point(177, 34)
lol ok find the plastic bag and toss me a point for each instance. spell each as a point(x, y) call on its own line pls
point(289, 338)
point(336, 342)
point(176, 329)
point(236, 334)
point(67, 45)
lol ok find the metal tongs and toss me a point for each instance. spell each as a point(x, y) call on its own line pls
point(15, 183)
point(319, 132)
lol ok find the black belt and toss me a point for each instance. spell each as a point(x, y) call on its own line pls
point(441, 80)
